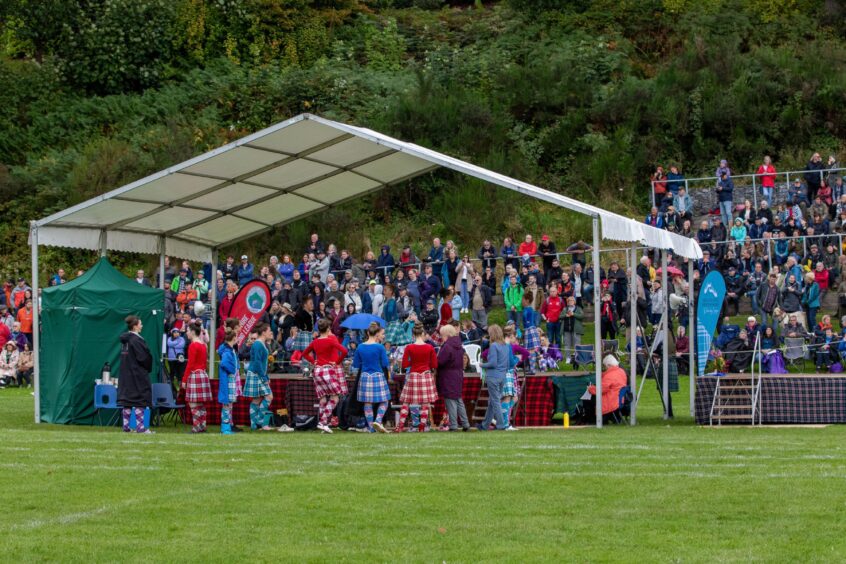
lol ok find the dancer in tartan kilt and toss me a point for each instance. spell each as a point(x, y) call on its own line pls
point(509, 388)
point(421, 361)
point(196, 379)
point(304, 321)
point(227, 393)
point(257, 385)
point(372, 359)
point(327, 354)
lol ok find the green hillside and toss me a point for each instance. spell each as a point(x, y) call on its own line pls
point(580, 97)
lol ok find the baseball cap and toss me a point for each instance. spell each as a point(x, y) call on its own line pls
point(244, 257)
point(544, 237)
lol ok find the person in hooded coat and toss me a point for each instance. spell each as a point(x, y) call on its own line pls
point(134, 390)
point(451, 377)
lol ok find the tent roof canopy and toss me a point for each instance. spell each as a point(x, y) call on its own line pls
point(275, 176)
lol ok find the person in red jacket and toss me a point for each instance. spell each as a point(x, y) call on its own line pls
point(551, 313)
point(767, 178)
point(327, 354)
point(528, 247)
point(421, 360)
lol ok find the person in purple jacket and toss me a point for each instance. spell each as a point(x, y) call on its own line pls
point(451, 377)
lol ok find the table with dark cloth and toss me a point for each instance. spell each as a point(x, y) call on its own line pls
point(786, 398)
point(241, 409)
point(534, 410)
point(573, 388)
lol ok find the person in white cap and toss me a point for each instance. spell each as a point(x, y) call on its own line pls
point(613, 380)
point(246, 271)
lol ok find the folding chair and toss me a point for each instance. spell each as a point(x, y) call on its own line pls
point(474, 352)
point(105, 397)
point(584, 355)
point(163, 398)
point(794, 350)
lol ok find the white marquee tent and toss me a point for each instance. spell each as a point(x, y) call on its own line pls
point(288, 171)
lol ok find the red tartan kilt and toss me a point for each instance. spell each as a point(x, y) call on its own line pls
point(198, 387)
point(329, 380)
point(419, 389)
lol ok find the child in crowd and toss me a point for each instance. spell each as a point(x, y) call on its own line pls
point(531, 333)
point(550, 356)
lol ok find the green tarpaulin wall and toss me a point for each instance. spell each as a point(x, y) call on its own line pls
point(81, 322)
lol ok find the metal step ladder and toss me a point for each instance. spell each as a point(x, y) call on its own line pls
point(737, 397)
point(480, 406)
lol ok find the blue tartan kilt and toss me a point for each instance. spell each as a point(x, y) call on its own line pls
point(396, 335)
point(509, 388)
point(256, 386)
point(373, 388)
point(302, 341)
point(532, 338)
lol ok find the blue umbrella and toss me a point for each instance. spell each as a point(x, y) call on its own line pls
point(361, 321)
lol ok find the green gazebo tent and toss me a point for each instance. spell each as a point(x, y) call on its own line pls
point(81, 322)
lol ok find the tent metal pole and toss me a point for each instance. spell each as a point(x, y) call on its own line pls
point(691, 341)
point(104, 243)
point(665, 350)
point(597, 332)
point(633, 333)
point(213, 316)
point(162, 263)
point(36, 323)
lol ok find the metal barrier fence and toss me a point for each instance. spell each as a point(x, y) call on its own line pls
point(787, 175)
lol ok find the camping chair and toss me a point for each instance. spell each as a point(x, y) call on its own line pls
point(105, 397)
point(163, 398)
point(584, 355)
point(474, 352)
point(622, 413)
point(794, 350)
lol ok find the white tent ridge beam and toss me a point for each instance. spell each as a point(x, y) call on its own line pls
point(336, 149)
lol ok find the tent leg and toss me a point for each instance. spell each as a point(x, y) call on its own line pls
point(104, 243)
point(162, 263)
point(665, 350)
point(213, 316)
point(690, 339)
point(633, 333)
point(36, 323)
point(597, 332)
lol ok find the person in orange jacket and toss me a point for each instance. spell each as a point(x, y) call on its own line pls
point(613, 380)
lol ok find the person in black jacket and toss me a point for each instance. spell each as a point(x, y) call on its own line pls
point(134, 390)
point(813, 176)
point(488, 255)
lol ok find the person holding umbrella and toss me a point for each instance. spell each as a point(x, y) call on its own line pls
point(134, 389)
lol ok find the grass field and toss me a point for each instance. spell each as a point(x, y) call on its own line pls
point(653, 493)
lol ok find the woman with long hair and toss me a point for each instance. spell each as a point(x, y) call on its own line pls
point(196, 378)
point(228, 391)
point(327, 354)
point(421, 361)
point(257, 385)
point(496, 367)
point(372, 359)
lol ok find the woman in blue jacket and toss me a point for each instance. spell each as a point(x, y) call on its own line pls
point(372, 359)
point(499, 359)
point(811, 300)
point(227, 393)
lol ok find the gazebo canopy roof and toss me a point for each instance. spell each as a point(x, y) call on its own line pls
point(288, 171)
